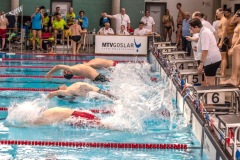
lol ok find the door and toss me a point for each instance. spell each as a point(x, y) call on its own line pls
point(64, 6)
point(157, 11)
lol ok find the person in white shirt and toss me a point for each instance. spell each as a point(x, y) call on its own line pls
point(141, 31)
point(123, 31)
point(205, 23)
point(148, 21)
point(207, 45)
point(195, 36)
point(106, 30)
point(121, 19)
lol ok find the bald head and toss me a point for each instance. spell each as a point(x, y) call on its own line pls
point(123, 11)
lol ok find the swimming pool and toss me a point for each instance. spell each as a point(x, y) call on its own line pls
point(137, 118)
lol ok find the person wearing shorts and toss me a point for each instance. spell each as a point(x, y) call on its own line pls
point(223, 41)
point(210, 54)
point(3, 28)
point(37, 27)
point(76, 32)
point(224, 46)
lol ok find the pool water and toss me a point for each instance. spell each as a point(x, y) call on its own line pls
point(137, 117)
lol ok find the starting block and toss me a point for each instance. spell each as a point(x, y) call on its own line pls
point(182, 64)
point(214, 95)
point(230, 125)
point(167, 48)
point(192, 76)
point(174, 54)
point(161, 43)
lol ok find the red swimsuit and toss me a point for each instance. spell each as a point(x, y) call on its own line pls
point(90, 118)
point(115, 63)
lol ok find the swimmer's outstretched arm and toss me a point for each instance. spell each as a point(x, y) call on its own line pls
point(56, 68)
point(58, 93)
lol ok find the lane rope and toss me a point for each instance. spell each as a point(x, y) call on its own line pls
point(56, 60)
point(100, 111)
point(26, 67)
point(75, 55)
point(28, 89)
point(36, 77)
point(95, 144)
point(53, 77)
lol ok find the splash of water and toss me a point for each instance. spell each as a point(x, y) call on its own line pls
point(24, 114)
point(138, 97)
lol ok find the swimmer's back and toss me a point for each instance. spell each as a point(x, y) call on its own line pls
point(85, 71)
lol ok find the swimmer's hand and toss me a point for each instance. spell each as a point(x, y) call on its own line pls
point(50, 95)
point(48, 76)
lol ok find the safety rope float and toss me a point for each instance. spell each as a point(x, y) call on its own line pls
point(95, 144)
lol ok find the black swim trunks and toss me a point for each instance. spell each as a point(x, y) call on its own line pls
point(101, 78)
point(167, 28)
point(225, 44)
point(76, 38)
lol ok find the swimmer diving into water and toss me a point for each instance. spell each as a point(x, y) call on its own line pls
point(77, 89)
point(98, 63)
point(78, 70)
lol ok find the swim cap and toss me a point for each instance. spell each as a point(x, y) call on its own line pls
point(68, 76)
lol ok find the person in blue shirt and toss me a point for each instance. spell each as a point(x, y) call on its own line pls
point(104, 19)
point(83, 22)
point(186, 45)
point(37, 27)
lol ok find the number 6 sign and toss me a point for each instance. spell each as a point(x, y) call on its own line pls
point(216, 98)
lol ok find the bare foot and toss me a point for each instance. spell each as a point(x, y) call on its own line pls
point(231, 81)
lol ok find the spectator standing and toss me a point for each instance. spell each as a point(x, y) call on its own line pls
point(121, 19)
point(180, 18)
point(186, 45)
point(168, 25)
point(148, 21)
point(37, 27)
point(83, 22)
point(104, 19)
point(3, 28)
